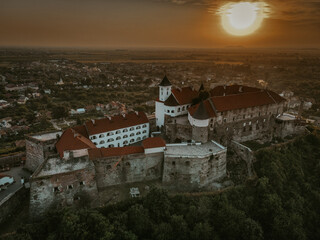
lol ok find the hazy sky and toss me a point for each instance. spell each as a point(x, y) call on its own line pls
point(150, 23)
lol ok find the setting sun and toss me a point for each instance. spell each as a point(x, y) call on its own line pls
point(242, 18)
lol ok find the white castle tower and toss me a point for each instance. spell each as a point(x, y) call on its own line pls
point(164, 92)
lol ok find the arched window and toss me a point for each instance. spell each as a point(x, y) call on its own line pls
point(132, 134)
point(109, 133)
point(102, 142)
point(179, 109)
point(118, 138)
point(111, 145)
point(125, 136)
point(132, 140)
point(144, 131)
point(101, 135)
point(131, 129)
point(94, 137)
point(144, 125)
point(183, 108)
point(138, 133)
point(125, 142)
point(125, 130)
point(110, 140)
point(139, 139)
point(118, 131)
point(138, 127)
point(95, 143)
point(172, 111)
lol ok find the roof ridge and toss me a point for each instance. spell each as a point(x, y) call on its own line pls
point(271, 96)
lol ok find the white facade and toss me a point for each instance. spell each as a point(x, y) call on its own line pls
point(164, 92)
point(159, 114)
point(6, 180)
point(175, 111)
point(121, 137)
point(197, 122)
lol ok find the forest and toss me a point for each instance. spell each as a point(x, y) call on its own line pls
point(282, 202)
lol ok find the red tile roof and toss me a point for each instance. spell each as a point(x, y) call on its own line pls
point(184, 95)
point(72, 140)
point(238, 101)
point(154, 142)
point(246, 100)
point(171, 101)
point(82, 130)
point(232, 89)
point(112, 152)
point(115, 122)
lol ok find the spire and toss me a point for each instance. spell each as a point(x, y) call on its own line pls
point(201, 112)
point(201, 87)
point(165, 82)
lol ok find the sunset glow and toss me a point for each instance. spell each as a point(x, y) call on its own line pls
point(242, 18)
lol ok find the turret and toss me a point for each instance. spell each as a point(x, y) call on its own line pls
point(164, 89)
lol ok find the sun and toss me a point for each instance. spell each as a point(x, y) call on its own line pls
point(242, 18)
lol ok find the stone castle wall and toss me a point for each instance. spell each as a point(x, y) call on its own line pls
point(37, 151)
point(112, 171)
point(63, 189)
point(191, 173)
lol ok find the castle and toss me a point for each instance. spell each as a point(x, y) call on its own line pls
point(94, 160)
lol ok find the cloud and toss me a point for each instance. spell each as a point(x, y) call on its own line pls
point(298, 11)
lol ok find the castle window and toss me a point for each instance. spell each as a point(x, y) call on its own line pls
point(173, 163)
point(102, 142)
point(111, 145)
point(118, 138)
point(101, 136)
point(132, 134)
point(168, 111)
point(125, 130)
point(178, 109)
point(94, 137)
point(125, 136)
point(172, 111)
point(125, 142)
point(138, 133)
point(132, 140)
point(110, 140)
point(139, 127)
point(109, 133)
point(131, 129)
point(70, 186)
point(144, 125)
point(183, 108)
point(144, 131)
point(139, 139)
point(118, 131)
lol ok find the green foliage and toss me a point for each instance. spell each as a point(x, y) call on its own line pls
point(283, 203)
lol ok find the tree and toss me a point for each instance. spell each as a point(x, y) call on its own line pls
point(60, 112)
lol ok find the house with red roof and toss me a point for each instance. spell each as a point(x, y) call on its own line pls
point(173, 102)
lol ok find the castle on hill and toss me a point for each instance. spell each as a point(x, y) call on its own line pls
point(96, 159)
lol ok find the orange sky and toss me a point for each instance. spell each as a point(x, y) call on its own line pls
point(150, 23)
